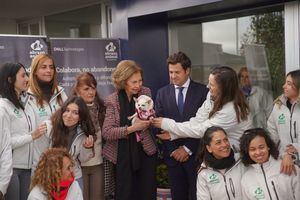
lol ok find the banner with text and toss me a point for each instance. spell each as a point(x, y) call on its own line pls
point(97, 56)
point(21, 49)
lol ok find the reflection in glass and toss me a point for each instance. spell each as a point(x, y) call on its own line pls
point(256, 42)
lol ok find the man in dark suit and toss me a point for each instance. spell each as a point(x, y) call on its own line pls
point(180, 101)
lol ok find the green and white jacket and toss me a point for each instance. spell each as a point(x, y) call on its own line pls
point(20, 125)
point(5, 155)
point(41, 114)
point(284, 125)
point(224, 184)
point(265, 182)
point(77, 150)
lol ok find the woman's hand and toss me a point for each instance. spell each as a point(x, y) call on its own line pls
point(138, 125)
point(88, 142)
point(290, 149)
point(165, 135)
point(41, 130)
point(287, 165)
point(156, 122)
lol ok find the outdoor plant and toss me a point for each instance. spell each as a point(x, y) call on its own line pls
point(161, 169)
point(162, 176)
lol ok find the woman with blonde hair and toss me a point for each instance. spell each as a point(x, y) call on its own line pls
point(54, 178)
point(92, 170)
point(133, 157)
point(45, 96)
point(259, 100)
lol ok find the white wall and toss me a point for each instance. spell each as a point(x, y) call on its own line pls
point(292, 35)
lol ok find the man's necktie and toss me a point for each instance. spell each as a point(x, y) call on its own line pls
point(180, 102)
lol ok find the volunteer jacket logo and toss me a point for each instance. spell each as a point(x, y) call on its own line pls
point(281, 119)
point(213, 178)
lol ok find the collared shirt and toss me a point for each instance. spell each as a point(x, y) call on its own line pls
point(184, 91)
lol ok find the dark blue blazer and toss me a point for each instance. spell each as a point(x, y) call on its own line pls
point(166, 106)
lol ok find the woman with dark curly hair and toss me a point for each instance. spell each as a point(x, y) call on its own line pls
point(54, 178)
point(263, 179)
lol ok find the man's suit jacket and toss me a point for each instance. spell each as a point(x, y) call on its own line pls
point(166, 106)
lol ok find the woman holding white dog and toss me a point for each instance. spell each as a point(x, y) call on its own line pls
point(134, 157)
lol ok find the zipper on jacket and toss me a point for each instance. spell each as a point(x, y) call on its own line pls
point(232, 187)
point(226, 187)
point(73, 153)
point(274, 188)
point(295, 130)
point(291, 130)
point(55, 95)
point(30, 123)
point(291, 121)
point(29, 130)
point(262, 168)
point(28, 164)
point(50, 107)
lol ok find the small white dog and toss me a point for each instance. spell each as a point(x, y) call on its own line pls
point(143, 110)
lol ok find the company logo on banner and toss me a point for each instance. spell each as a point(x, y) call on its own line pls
point(21, 48)
point(96, 56)
point(75, 49)
point(36, 48)
point(111, 52)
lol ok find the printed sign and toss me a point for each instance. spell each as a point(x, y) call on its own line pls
point(21, 49)
point(97, 56)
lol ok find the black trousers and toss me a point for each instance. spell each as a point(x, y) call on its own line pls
point(183, 178)
point(142, 182)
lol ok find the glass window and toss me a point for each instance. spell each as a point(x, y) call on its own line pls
point(255, 42)
point(252, 45)
point(23, 29)
point(83, 22)
point(30, 27)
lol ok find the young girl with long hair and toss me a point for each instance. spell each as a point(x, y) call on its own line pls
point(71, 127)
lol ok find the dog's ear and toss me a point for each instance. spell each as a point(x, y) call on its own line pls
point(135, 99)
point(149, 101)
